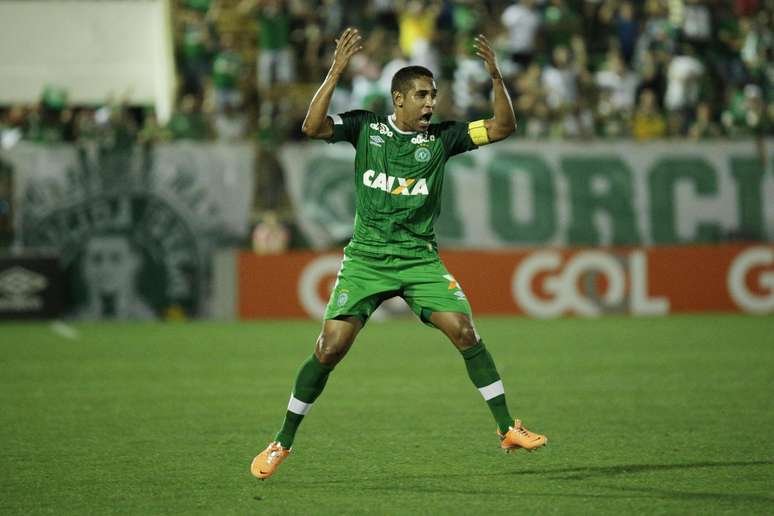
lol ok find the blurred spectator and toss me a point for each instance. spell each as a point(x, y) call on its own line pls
point(704, 126)
point(757, 37)
point(627, 30)
point(467, 15)
point(86, 127)
point(332, 14)
point(196, 44)
point(559, 80)
point(648, 122)
point(683, 80)
point(227, 73)
point(697, 23)
point(152, 132)
point(116, 127)
point(47, 122)
point(746, 114)
point(745, 7)
point(471, 83)
point(522, 21)
point(12, 126)
point(270, 236)
point(384, 14)
point(617, 90)
point(574, 65)
point(651, 76)
point(561, 24)
point(527, 93)
point(367, 92)
point(657, 34)
point(398, 60)
point(188, 122)
point(598, 17)
point(416, 23)
point(538, 125)
point(313, 35)
point(198, 5)
point(619, 81)
point(275, 63)
point(726, 51)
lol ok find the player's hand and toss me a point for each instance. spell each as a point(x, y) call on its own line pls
point(348, 44)
point(485, 52)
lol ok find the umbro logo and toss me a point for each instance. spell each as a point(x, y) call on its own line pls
point(376, 140)
point(18, 281)
point(20, 290)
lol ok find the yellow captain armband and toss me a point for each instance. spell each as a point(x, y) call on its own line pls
point(477, 132)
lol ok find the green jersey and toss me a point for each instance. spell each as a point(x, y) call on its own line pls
point(226, 68)
point(273, 30)
point(398, 181)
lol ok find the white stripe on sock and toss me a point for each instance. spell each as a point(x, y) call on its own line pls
point(336, 119)
point(492, 390)
point(298, 407)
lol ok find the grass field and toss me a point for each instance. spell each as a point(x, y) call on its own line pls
point(672, 415)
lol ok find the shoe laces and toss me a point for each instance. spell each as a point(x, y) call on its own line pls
point(275, 453)
point(520, 429)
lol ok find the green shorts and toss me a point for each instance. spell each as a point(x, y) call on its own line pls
point(363, 283)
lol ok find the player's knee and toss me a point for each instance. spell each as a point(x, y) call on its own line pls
point(466, 337)
point(331, 347)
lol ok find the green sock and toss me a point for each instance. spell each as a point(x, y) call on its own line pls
point(483, 374)
point(310, 382)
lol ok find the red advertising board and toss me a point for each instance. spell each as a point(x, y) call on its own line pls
point(543, 282)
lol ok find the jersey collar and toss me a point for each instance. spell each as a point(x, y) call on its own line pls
point(391, 120)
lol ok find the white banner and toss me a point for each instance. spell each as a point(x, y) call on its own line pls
point(529, 193)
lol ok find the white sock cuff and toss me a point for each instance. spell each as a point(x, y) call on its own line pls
point(492, 390)
point(297, 406)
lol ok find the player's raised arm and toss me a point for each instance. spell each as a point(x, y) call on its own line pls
point(317, 124)
point(503, 123)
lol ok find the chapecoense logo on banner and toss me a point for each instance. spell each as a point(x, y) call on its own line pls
point(133, 229)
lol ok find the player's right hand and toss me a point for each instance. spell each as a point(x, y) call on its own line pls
point(348, 44)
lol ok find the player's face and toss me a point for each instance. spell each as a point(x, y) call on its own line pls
point(418, 104)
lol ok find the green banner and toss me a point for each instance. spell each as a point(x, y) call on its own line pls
point(134, 229)
point(529, 193)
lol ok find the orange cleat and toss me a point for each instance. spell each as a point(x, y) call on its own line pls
point(519, 437)
point(266, 463)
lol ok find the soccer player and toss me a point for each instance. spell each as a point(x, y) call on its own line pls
point(399, 165)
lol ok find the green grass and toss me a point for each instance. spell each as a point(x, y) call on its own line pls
point(672, 415)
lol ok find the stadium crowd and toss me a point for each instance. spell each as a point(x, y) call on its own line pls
point(576, 69)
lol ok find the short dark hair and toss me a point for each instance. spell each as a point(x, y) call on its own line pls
point(401, 81)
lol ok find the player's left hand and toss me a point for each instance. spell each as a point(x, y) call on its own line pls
point(485, 52)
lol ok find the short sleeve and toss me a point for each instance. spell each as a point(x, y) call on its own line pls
point(346, 126)
point(455, 138)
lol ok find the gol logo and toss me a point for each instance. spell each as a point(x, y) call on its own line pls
point(736, 281)
point(561, 284)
